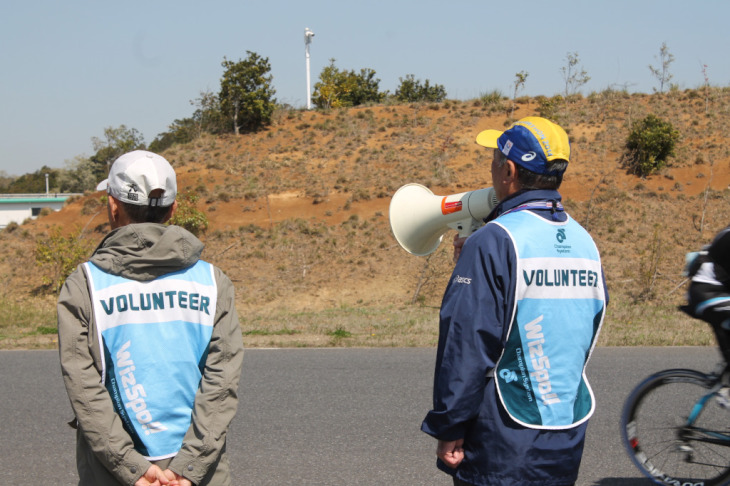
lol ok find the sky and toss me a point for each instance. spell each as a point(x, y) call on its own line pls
point(70, 69)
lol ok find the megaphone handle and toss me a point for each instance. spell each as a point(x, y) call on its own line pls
point(465, 227)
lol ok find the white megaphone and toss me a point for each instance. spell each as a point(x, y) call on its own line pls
point(419, 218)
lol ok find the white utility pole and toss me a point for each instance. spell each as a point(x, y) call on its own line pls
point(308, 34)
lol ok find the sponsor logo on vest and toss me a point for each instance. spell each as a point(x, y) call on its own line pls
point(561, 277)
point(155, 301)
point(560, 236)
point(508, 376)
point(134, 392)
point(523, 373)
point(540, 362)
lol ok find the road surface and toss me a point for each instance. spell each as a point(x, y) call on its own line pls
point(320, 416)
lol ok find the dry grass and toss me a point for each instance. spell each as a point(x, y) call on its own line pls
point(343, 327)
point(298, 216)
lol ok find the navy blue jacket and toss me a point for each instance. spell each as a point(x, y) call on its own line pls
point(474, 322)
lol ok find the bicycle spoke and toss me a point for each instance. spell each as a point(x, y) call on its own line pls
point(661, 442)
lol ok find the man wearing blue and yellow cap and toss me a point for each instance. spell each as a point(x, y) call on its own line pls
point(518, 322)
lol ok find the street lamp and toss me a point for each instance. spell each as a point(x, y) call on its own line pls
point(308, 34)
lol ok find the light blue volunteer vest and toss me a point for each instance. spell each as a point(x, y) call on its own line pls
point(559, 309)
point(154, 338)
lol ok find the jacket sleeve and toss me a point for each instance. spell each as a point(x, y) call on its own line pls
point(475, 314)
point(99, 424)
point(216, 400)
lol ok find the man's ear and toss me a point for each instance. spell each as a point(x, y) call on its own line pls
point(113, 209)
point(511, 169)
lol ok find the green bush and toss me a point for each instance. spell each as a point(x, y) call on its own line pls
point(59, 255)
point(337, 89)
point(188, 215)
point(649, 146)
point(412, 90)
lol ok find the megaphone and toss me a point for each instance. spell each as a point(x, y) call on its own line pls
point(419, 218)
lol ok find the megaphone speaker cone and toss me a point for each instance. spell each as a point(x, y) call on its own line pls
point(419, 218)
point(409, 210)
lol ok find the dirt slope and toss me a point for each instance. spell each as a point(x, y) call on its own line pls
point(299, 213)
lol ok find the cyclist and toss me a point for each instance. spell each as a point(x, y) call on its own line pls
point(709, 291)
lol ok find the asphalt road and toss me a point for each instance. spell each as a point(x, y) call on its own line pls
point(320, 416)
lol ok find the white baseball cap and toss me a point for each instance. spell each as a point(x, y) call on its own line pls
point(134, 175)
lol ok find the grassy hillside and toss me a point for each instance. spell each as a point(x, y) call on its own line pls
point(299, 217)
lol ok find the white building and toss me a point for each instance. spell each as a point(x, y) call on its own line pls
point(16, 208)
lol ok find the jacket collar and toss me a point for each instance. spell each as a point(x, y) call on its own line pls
point(523, 197)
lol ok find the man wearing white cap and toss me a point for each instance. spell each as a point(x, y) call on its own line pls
point(519, 319)
point(149, 342)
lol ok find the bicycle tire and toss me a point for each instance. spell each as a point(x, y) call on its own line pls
point(654, 432)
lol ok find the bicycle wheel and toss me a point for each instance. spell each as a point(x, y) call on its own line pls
point(656, 432)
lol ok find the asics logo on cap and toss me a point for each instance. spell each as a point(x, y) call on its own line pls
point(529, 156)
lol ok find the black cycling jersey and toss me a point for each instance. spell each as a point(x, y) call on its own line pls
point(709, 290)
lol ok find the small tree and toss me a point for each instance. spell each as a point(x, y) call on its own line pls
point(78, 176)
point(116, 142)
point(367, 88)
point(649, 145)
point(179, 131)
point(574, 75)
point(411, 90)
point(706, 87)
point(662, 72)
point(207, 118)
point(519, 83)
point(330, 89)
point(337, 88)
point(5, 181)
point(247, 95)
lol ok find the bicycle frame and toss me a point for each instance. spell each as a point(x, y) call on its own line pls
point(690, 432)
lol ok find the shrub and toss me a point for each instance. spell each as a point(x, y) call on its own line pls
point(59, 255)
point(92, 206)
point(336, 88)
point(412, 90)
point(550, 107)
point(492, 98)
point(188, 215)
point(649, 145)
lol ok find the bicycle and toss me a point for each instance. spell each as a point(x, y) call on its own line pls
point(689, 446)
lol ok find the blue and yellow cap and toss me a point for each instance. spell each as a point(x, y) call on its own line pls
point(530, 142)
